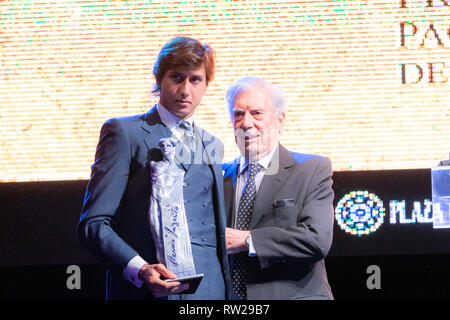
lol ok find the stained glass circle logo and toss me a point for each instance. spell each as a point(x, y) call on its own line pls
point(360, 213)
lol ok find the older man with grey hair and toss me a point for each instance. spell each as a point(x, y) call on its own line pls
point(279, 203)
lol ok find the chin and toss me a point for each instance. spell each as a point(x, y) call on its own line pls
point(182, 114)
point(253, 154)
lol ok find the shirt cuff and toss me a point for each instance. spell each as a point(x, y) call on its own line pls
point(131, 271)
point(251, 247)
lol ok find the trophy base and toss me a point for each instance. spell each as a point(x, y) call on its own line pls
point(194, 282)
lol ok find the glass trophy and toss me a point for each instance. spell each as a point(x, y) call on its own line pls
point(168, 217)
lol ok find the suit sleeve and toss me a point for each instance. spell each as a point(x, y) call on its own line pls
point(101, 208)
point(310, 240)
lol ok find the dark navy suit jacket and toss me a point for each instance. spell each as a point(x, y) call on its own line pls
point(114, 224)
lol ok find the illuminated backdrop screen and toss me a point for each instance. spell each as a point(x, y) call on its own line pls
point(366, 81)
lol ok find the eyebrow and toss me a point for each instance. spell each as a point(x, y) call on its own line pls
point(257, 108)
point(185, 73)
point(197, 76)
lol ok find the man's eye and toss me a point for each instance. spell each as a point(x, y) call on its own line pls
point(176, 77)
point(196, 79)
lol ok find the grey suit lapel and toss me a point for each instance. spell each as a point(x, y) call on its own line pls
point(154, 130)
point(198, 155)
point(271, 184)
point(206, 151)
point(211, 147)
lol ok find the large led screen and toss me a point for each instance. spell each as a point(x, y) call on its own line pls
point(366, 81)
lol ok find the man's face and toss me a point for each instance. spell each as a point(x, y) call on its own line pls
point(182, 90)
point(256, 127)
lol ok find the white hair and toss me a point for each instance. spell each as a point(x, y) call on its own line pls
point(277, 99)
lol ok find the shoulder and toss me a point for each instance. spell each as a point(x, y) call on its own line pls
point(300, 158)
point(128, 125)
point(125, 121)
point(311, 162)
point(316, 169)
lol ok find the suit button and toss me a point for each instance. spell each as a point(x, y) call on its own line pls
point(204, 221)
point(204, 203)
point(203, 238)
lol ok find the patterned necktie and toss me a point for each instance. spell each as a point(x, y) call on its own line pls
point(244, 214)
point(188, 138)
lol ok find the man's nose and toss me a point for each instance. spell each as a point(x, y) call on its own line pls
point(185, 88)
point(248, 120)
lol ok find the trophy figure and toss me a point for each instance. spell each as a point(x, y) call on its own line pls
point(168, 216)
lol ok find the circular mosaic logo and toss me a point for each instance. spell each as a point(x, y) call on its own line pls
point(360, 213)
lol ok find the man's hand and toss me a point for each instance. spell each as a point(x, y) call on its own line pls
point(151, 275)
point(236, 240)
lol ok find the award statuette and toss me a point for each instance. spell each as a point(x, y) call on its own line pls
point(168, 217)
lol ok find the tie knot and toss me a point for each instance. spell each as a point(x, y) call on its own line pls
point(254, 168)
point(185, 125)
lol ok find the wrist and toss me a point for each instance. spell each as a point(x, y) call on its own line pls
point(140, 273)
point(247, 241)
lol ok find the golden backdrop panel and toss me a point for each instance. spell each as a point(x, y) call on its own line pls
point(366, 81)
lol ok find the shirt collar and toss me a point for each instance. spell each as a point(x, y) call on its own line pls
point(264, 161)
point(169, 119)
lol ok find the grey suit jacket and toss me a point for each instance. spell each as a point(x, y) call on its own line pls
point(114, 225)
point(291, 227)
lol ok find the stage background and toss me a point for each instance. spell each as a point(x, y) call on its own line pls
point(366, 84)
point(366, 81)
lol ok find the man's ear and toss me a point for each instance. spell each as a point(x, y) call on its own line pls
point(281, 120)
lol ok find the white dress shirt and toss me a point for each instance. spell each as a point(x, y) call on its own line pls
point(171, 121)
point(241, 182)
